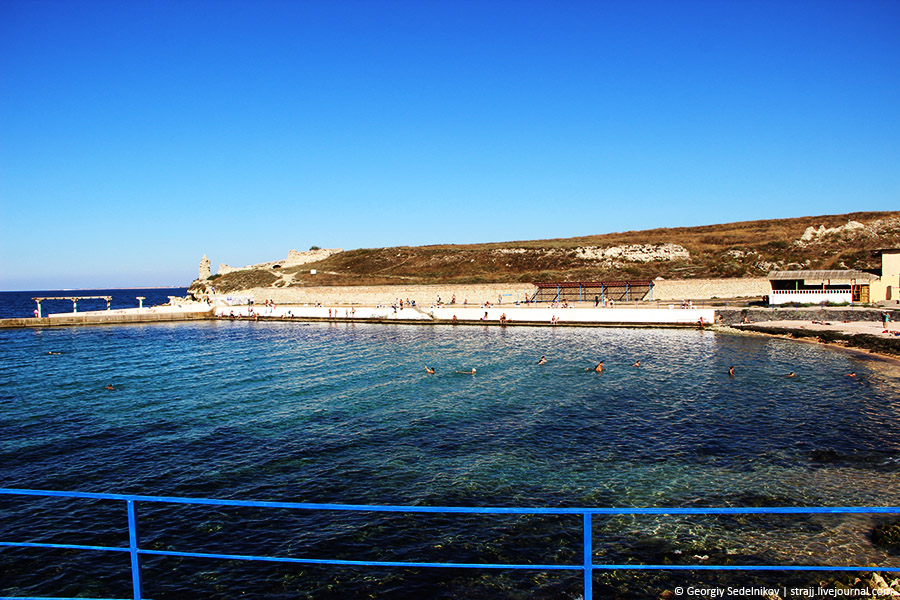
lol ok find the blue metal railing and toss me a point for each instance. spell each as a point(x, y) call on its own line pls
point(587, 566)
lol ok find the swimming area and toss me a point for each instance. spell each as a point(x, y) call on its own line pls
point(346, 413)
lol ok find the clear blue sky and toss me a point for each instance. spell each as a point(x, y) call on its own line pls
point(136, 136)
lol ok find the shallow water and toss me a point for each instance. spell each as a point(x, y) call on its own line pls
point(345, 413)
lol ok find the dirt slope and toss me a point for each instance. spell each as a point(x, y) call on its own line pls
point(745, 249)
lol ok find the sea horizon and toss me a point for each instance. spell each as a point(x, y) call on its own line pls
point(19, 304)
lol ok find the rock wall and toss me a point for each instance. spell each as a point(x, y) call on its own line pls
point(301, 258)
point(707, 289)
point(635, 252)
point(733, 316)
point(425, 295)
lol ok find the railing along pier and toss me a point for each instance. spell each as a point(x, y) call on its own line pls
point(586, 567)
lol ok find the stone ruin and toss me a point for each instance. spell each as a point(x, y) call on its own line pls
point(204, 268)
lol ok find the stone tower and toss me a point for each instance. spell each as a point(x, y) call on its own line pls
point(204, 268)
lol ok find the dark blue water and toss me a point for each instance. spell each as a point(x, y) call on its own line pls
point(20, 304)
point(345, 413)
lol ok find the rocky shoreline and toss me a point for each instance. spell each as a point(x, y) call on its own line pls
point(860, 341)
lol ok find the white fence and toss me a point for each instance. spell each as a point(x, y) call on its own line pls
point(809, 296)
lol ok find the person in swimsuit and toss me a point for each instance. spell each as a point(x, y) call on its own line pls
point(429, 369)
point(543, 361)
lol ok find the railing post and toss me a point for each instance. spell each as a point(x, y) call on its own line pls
point(133, 543)
point(588, 558)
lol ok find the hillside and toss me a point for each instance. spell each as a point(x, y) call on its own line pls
point(745, 249)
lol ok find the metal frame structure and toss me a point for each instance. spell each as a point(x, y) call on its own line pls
point(587, 566)
point(73, 299)
point(581, 291)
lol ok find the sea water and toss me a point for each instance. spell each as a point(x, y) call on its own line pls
point(345, 413)
point(22, 304)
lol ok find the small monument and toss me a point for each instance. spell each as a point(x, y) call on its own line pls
point(204, 268)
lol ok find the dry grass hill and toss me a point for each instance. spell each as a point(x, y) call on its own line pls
point(746, 249)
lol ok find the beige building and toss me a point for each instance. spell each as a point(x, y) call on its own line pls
point(887, 287)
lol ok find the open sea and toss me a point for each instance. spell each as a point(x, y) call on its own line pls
point(345, 413)
point(20, 304)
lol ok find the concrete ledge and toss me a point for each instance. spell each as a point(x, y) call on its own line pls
point(512, 315)
point(93, 318)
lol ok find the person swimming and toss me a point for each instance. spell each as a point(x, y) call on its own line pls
point(110, 387)
point(791, 374)
point(543, 361)
point(429, 369)
point(636, 364)
point(598, 368)
point(731, 371)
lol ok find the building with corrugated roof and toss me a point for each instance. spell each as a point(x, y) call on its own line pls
point(838, 286)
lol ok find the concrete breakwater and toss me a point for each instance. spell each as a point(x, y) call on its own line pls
point(512, 315)
point(634, 314)
point(532, 314)
point(186, 312)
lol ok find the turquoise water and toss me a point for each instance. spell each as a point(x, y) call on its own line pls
point(346, 413)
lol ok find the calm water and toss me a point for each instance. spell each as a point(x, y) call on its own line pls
point(345, 413)
point(20, 304)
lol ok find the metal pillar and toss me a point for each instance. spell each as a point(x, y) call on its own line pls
point(588, 559)
point(133, 543)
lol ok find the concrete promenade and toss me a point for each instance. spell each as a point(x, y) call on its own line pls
point(578, 314)
point(512, 314)
point(184, 312)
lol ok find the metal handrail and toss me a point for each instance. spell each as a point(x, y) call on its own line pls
point(587, 566)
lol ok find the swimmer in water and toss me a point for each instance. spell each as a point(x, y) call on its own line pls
point(731, 371)
point(429, 369)
point(543, 361)
point(637, 364)
point(853, 374)
point(598, 368)
point(110, 387)
point(472, 372)
point(52, 352)
point(791, 374)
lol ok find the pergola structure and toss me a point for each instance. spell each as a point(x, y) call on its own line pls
point(583, 291)
point(73, 299)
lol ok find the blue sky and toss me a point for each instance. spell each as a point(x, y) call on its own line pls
point(137, 136)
